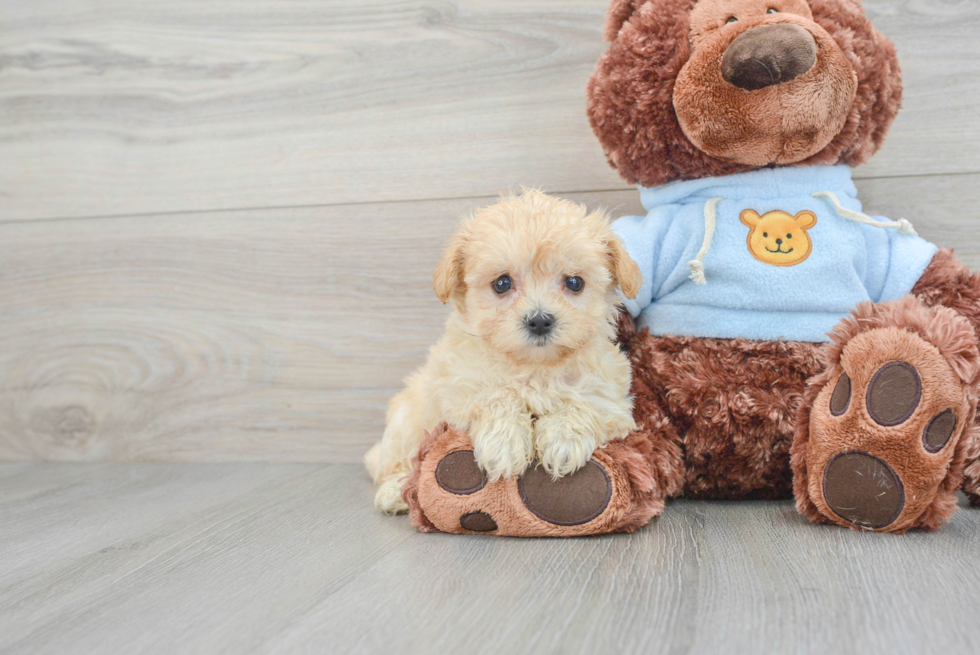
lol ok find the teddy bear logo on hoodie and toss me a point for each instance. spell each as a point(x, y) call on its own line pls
point(779, 238)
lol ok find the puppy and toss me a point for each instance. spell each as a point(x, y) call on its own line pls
point(528, 365)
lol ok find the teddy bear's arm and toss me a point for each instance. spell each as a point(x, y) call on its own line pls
point(895, 262)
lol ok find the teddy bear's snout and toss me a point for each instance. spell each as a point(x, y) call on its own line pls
point(768, 55)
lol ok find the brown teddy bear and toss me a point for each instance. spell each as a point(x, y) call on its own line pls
point(784, 343)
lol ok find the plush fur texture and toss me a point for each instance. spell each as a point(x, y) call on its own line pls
point(941, 345)
point(780, 124)
point(630, 464)
point(632, 94)
point(732, 418)
point(716, 418)
point(669, 102)
point(521, 396)
point(724, 413)
point(724, 409)
point(949, 283)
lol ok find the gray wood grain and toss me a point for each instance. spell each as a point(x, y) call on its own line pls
point(274, 335)
point(113, 108)
point(294, 559)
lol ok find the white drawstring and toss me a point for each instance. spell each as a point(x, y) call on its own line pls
point(710, 217)
point(902, 225)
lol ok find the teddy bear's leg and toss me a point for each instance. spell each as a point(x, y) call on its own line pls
point(884, 431)
point(735, 404)
point(618, 490)
point(949, 283)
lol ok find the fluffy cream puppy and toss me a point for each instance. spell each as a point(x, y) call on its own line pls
point(528, 365)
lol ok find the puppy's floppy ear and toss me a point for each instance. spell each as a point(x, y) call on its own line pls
point(626, 272)
point(448, 276)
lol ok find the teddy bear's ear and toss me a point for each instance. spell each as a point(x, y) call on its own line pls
point(448, 276)
point(806, 219)
point(616, 16)
point(750, 217)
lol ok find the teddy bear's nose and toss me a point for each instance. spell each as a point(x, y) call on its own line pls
point(779, 242)
point(768, 55)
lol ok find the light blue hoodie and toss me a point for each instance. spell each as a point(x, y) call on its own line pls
point(753, 287)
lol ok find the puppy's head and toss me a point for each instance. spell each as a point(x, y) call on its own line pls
point(535, 277)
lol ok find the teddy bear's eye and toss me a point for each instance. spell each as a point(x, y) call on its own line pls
point(502, 285)
point(731, 20)
point(772, 11)
point(765, 235)
point(789, 236)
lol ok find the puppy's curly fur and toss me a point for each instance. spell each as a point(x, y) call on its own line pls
point(520, 395)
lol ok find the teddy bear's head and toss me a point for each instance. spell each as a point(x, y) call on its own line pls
point(699, 88)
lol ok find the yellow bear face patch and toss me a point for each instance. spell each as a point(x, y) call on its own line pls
point(779, 238)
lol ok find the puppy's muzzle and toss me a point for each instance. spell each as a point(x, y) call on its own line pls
point(539, 324)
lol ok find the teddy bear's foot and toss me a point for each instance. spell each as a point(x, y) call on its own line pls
point(613, 492)
point(883, 446)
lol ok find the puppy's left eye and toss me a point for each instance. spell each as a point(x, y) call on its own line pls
point(574, 283)
point(502, 285)
point(772, 10)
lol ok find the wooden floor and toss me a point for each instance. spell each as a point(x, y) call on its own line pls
point(219, 218)
point(292, 558)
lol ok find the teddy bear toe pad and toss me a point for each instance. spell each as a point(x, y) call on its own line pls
point(883, 431)
point(458, 473)
point(477, 522)
point(894, 393)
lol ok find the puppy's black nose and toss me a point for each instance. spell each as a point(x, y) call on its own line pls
point(540, 324)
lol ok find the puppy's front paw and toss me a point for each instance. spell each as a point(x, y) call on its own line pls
point(389, 496)
point(619, 426)
point(503, 449)
point(564, 446)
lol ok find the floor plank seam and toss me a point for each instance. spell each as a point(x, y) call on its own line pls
point(328, 205)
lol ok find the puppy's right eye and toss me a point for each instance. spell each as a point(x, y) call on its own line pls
point(502, 285)
point(731, 20)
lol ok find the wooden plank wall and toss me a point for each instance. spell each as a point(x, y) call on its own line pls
point(218, 218)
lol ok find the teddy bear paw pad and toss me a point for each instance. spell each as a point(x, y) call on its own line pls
point(883, 432)
point(863, 490)
point(574, 499)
